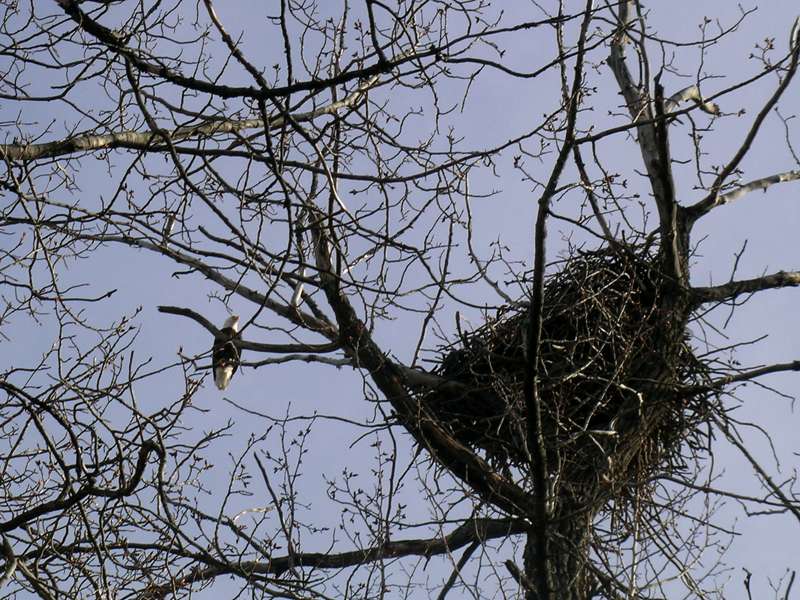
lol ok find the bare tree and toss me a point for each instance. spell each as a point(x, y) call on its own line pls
point(534, 423)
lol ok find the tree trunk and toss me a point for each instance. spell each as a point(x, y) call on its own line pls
point(567, 550)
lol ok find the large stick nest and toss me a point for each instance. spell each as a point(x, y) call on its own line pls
point(614, 357)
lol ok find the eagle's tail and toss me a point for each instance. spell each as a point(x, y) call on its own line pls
point(222, 376)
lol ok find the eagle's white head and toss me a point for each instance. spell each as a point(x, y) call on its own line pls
point(232, 322)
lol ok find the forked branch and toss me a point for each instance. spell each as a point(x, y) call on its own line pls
point(652, 130)
point(713, 198)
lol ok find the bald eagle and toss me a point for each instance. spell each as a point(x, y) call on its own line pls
point(225, 359)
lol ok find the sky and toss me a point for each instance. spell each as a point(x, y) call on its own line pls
point(765, 545)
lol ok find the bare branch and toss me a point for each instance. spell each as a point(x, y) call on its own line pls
point(150, 141)
point(653, 142)
point(244, 344)
point(520, 577)
point(727, 291)
point(535, 434)
point(792, 506)
point(461, 461)
point(457, 570)
point(757, 184)
point(640, 110)
point(720, 384)
point(470, 532)
point(116, 43)
point(187, 312)
point(712, 199)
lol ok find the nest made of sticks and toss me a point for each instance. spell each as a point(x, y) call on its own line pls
point(613, 354)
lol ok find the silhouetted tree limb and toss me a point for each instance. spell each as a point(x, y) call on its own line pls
point(733, 289)
point(477, 531)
